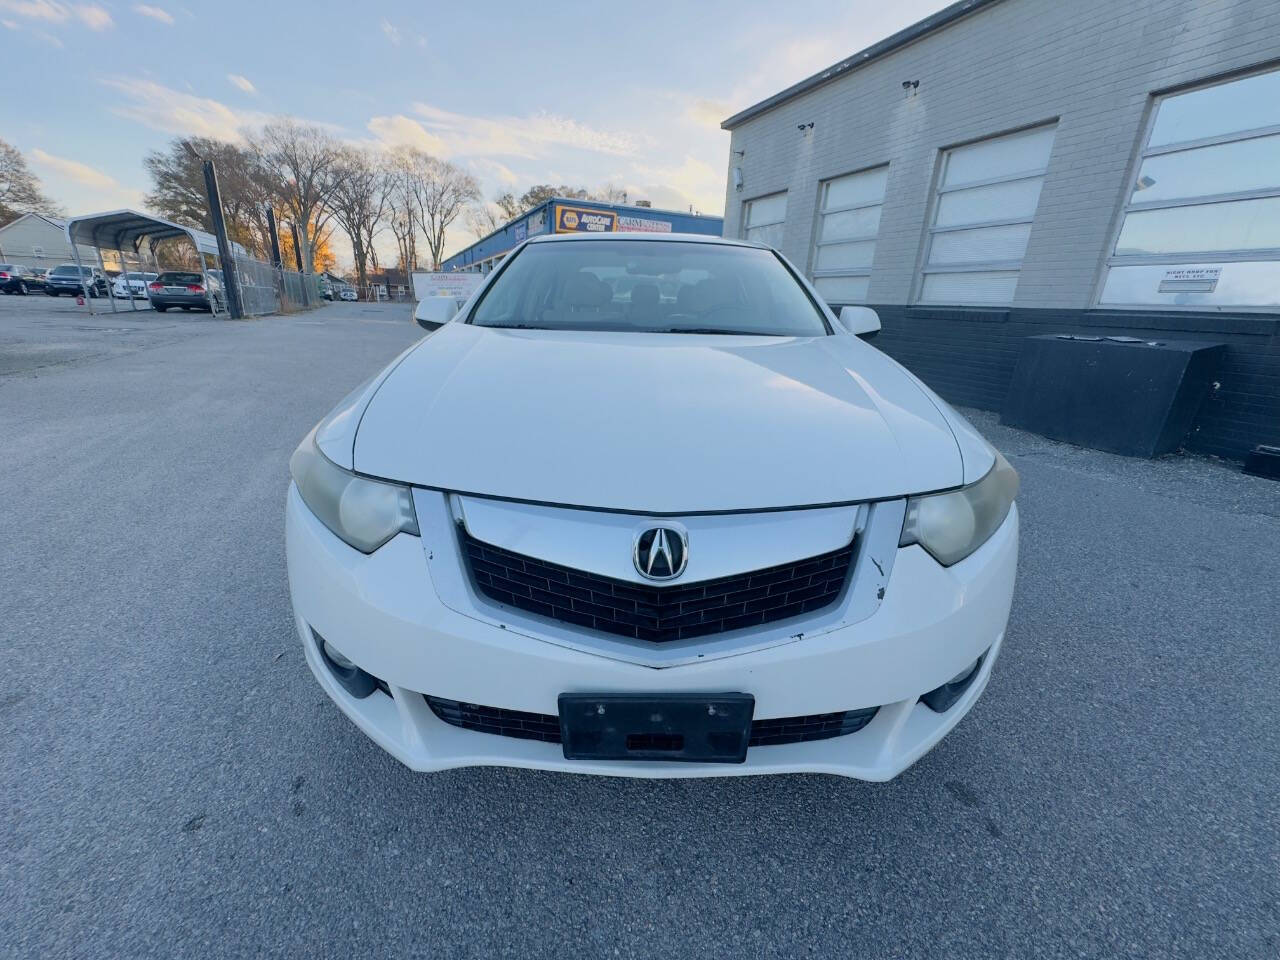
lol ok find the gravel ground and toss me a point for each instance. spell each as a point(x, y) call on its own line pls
point(176, 784)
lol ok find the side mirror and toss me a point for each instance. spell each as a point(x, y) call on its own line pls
point(860, 321)
point(432, 313)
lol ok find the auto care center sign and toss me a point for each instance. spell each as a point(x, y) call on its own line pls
point(587, 220)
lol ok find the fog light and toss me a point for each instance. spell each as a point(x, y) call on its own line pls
point(943, 698)
point(355, 681)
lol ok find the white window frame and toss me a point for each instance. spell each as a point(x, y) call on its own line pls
point(746, 212)
point(818, 242)
point(1204, 256)
point(980, 266)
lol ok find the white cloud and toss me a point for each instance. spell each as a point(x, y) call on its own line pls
point(155, 13)
point(94, 17)
point(242, 82)
point(172, 111)
point(53, 11)
point(87, 187)
point(449, 134)
point(392, 32)
point(74, 170)
point(10, 24)
point(47, 10)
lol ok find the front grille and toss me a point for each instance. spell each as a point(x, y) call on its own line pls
point(656, 614)
point(505, 723)
point(546, 727)
point(817, 726)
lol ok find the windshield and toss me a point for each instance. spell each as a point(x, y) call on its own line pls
point(71, 270)
point(650, 286)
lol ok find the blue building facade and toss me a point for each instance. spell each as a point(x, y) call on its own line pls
point(563, 215)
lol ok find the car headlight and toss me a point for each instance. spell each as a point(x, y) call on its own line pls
point(362, 512)
point(954, 524)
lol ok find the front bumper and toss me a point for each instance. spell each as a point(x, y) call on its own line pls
point(382, 612)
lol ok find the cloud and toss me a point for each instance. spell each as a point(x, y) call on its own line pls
point(155, 13)
point(94, 17)
point(392, 32)
point(74, 170)
point(91, 188)
point(449, 134)
point(53, 11)
point(46, 10)
point(171, 111)
point(243, 83)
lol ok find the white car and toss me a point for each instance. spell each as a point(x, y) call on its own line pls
point(347, 293)
point(698, 528)
point(137, 288)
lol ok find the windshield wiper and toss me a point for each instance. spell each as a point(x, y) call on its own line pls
point(720, 330)
point(512, 326)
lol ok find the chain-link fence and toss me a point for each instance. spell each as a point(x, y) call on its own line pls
point(267, 289)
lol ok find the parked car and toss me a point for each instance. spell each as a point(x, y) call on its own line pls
point(137, 286)
point(72, 280)
point(347, 293)
point(15, 278)
point(715, 533)
point(190, 291)
point(326, 288)
point(38, 275)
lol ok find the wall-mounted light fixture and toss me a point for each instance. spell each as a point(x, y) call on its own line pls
point(910, 86)
point(802, 127)
point(737, 179)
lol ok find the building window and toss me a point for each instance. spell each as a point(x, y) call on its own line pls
point(845, 244)
point(987, 196)
point(763, 219)
point(1202, 225)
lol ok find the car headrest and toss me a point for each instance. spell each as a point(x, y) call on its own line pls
point(585, 289)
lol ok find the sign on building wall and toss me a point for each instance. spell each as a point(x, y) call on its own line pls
point(643, 225)
point(537, 223)
point(457, 285)
point(585, 220)
point(1190, 280)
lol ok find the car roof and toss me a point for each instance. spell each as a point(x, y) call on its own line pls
point(640, 238)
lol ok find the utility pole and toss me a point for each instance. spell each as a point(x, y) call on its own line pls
point(297, 245)
point(275, 238)
point(230, 282)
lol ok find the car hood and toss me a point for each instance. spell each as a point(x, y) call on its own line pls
point(655, 423)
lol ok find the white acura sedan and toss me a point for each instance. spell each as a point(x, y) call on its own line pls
point(645, 506)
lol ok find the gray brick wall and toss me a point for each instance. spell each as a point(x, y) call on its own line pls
point(1091, 64)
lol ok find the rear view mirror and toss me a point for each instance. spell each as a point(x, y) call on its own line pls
point(434, 312)
point(860, 321)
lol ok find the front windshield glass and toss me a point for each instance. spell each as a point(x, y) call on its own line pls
point(650, 286)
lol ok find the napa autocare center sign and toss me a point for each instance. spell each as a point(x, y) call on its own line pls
point(460, 286)
point(587, 220)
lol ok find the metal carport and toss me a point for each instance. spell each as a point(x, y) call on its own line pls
point(119, 230)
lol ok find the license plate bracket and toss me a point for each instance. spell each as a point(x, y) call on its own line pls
point(675, 727)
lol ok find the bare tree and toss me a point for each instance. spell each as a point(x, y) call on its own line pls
point(178, 188)
point(360, 202)
point(302, 162)
point(19, 188)
point(440, 190)
point(483, 219)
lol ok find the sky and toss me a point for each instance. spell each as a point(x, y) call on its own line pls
point(584, 93)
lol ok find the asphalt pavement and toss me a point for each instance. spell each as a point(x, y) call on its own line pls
point(176, 784)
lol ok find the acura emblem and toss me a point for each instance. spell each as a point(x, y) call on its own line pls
point(661, 553)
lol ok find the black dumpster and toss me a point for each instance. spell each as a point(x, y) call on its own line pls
point(1122, 394)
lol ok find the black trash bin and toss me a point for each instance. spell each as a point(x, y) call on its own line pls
point(1121, 394)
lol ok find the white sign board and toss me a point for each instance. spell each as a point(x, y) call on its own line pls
point(1190, 280)
point(457, 285)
